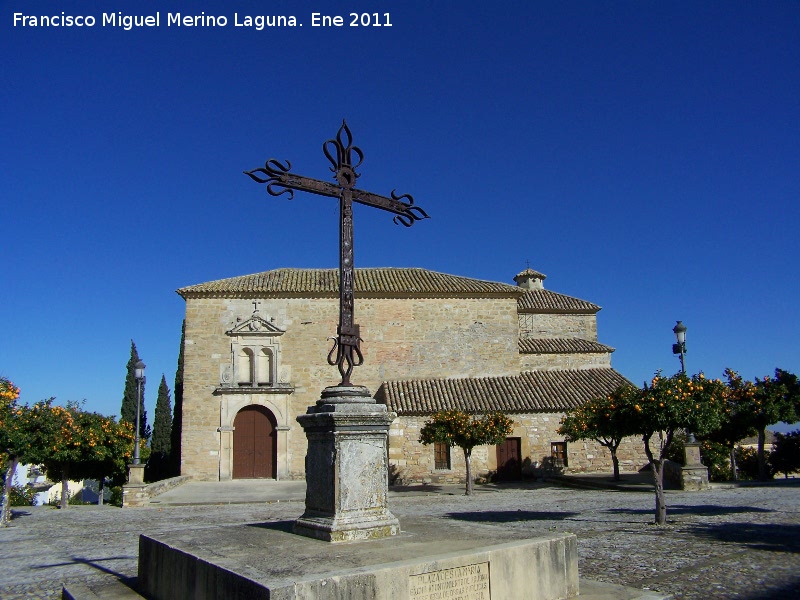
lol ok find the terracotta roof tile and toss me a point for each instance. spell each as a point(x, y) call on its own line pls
point(562, 346)
point(531, 391)
point(545, 301)
point(324, 282)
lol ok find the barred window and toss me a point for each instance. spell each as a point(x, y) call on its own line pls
point(558, 452)
point(441, 456)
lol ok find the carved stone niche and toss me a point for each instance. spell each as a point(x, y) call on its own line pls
point(255, 358)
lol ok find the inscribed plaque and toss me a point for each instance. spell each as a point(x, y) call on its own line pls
point(470, 582)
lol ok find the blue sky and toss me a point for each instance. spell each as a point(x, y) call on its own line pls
point(644, 155)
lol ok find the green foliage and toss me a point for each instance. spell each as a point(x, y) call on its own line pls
point(115, 496)
point(785, 455)
point(130, 395)
point(679, 402)
point(86, 445)
point(158, 465)
point(717, 457)
point(457, 428)
point(747, 462)
point(177, 416)
point(21, 495)
point(605, 420)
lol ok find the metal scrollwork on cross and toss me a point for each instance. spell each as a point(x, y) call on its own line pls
point(340, 151)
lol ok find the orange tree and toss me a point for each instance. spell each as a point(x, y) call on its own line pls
point(85, 445)
point(737, 418)
point(776, 399)
point(603, 420)
point(457, 428)
point(666, 406)
point(24, 434)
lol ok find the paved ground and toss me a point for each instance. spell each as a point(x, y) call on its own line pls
point(725, 543)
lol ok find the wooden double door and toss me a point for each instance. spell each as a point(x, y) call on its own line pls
point(255, 444)
point(509, 460)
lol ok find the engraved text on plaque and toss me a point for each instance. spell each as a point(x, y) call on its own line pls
point(470, 582)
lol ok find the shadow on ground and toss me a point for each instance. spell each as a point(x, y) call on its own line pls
point(285, 526)
point(425, 487)
point(790, 590)
point(702, 510)
point(510, 516)
point(772, 537)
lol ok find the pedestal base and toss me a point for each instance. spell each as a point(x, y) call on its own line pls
point(694, 475)
point(346, 468)
point(432, 559)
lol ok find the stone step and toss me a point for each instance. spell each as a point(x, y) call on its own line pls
point(107, 590)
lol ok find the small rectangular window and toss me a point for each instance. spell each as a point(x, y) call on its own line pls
point(441, 456)
point(558, 452)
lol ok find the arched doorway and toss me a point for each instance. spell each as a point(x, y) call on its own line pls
point(255, 443)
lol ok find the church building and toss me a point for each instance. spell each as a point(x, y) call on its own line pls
point(255, 358)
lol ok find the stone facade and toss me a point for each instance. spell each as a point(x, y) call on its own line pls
point(262, 340)
point(411, 461)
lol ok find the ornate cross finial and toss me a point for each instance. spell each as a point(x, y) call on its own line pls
point(255, 306)
point(340, 151)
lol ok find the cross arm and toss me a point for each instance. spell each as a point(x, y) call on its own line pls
point(402, 206)
point(280, 181)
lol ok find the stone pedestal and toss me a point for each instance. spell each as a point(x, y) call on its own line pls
point(134, 493)
point(346, 468)
point(694, 476)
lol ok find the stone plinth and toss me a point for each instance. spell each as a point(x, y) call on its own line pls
point(346, 468)
point(694, 475)
point(134, 493)
point(430, 559)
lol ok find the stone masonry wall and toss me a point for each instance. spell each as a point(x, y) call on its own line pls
point(403, 339)
point(546, 362)
point(412, 462)
point(558, 326)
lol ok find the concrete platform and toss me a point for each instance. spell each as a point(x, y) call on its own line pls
point(268, 561)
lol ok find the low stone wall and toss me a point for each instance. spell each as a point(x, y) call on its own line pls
point(139, 494)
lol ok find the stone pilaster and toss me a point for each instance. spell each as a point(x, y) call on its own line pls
point(346, 468)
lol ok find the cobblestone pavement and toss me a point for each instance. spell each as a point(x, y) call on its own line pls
point(727, 543)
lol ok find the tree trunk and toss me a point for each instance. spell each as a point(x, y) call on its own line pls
point(734, 474)
point(614, 461)
point(5, 512)
point(467, 460)
point(101, 487)
point(657, 468)
point(762, 459)
point(64, 488)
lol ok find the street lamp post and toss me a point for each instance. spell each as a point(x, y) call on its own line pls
point(680, 348)
point(138, 374)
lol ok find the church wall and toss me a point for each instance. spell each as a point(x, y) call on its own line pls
point(403, 339)
point(558, 326)
point(546, 362)
point(412, 462)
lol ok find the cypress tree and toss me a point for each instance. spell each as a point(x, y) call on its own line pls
point(160, 442)
point(177, 416)
point(128, 409)
point(158, 465)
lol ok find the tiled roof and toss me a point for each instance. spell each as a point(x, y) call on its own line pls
point(545, 301)
point(323, 282)
point(562, 346)
point(531, 391)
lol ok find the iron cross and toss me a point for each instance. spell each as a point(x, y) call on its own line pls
point(340, 152)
